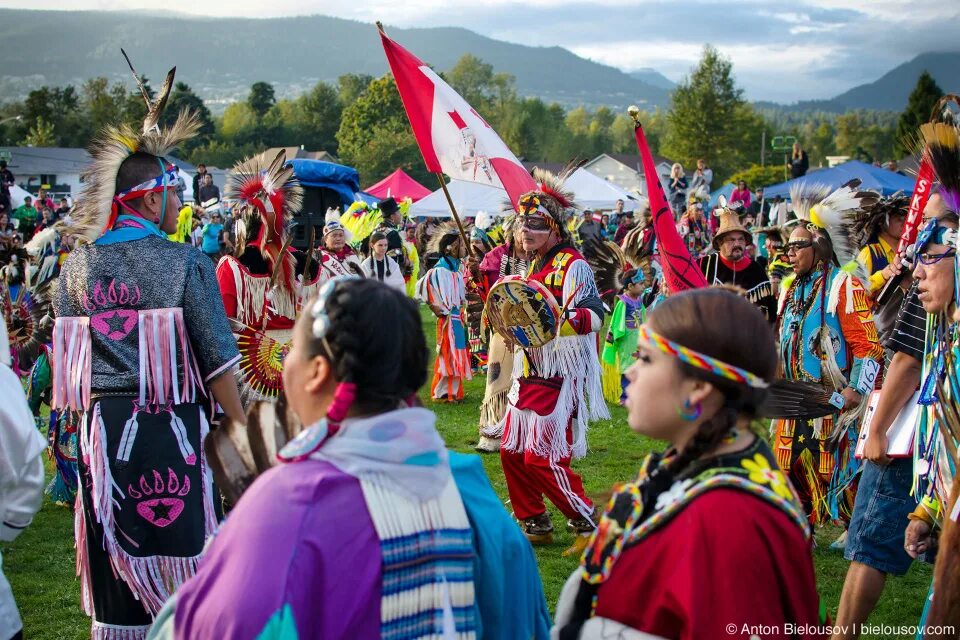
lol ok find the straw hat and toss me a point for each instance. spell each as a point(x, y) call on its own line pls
point(729, 222)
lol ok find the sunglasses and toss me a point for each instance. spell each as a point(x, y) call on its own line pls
point(534, 223)
point(793, 247)
point(933, 258)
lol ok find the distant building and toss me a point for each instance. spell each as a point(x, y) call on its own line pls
point(833, 161)
point(626, 170)
point(59, 170)
point(56, 169)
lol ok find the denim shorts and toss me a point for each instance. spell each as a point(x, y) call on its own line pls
point(879, 519)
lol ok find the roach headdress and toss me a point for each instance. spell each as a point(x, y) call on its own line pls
point(267, 196)
point(99, 202)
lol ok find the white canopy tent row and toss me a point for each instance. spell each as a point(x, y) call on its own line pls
point(470, 198)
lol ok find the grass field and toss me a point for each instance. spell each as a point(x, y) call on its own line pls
point(40, 564)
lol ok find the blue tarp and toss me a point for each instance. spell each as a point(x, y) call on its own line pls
point(871, 177)
point(317, 173)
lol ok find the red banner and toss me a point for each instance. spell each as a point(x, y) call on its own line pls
point(680, 272)
point(921, 193)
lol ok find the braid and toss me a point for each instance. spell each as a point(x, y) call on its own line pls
point(383, 363)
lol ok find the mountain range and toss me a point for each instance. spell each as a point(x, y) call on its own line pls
point(221, 57)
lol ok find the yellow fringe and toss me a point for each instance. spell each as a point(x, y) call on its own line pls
point(815, 486)
point(610, 379)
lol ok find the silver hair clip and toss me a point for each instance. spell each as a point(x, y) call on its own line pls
point(318, 311)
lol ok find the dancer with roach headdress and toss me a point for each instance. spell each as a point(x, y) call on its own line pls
point(141, 348)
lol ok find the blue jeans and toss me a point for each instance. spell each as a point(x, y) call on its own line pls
point(880, 515)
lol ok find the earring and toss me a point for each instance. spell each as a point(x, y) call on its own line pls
point(688, 411)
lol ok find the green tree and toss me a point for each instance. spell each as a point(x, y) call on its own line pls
point(102, 104)
point(375, 136)
point(312, 119)
point(920, 104)
point(261, 98)
point(821, 143)
point(350, 86)
point(237, 121)
point(183, 98)
point(759, 176)
point(40, 134)
point(703, 115)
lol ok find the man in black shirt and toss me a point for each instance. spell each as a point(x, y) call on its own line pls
point(390, 227)
point(198, 181)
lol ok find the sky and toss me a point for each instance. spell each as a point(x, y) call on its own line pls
point(781, 51)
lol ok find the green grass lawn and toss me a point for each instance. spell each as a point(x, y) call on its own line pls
point(40, 564)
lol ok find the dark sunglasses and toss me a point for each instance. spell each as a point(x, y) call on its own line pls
point(534, 223)
point(793, 247)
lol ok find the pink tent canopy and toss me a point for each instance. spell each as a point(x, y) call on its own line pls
point(398, 185)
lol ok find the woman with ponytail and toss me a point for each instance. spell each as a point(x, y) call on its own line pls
point(710, 537)
point(364, 529)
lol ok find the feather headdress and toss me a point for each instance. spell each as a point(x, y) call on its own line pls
point(265, 190)
point(941, 143)
point(443, 236)
point(360, 220)
point(837, 213)
point(97, 208)
point(803, 197)
point(869, 223)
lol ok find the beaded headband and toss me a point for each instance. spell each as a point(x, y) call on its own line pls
point(701, 361)
point(318, 311)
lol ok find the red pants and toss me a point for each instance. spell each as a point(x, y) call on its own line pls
point(530, 477)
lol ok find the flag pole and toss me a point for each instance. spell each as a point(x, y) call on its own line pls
point(453, 210)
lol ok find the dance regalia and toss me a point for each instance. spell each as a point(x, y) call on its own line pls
point(620, 346)
point(400, 560)
point(556, 392)
point(827, 335)
point(746, 274)
point(262, 318)
point(140, 331)
point(262, 286)
point(443, 287)
point(732, 514)
point(334, 264)
point(496, 264)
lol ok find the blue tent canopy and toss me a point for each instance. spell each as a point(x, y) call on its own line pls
point(317, 173)
point(873, 178)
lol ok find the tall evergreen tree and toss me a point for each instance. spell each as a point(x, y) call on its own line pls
point(704, 113)
point(919, 106)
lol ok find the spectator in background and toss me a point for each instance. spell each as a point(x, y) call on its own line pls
point(758, 209)
point(799, 163)
point(47, 219)
point(626, 223)
point(26, 215)
point(702, 177)
point(196, 236)
point(208, 190)
point(590, 228)
point(181, 186)
point(892, 166)
point(742, 195)
point(605, 227)
point(678, 189)
point(198, 181)
point(63, 209)
point(44, 201)
point(210, 234)
point(6, 181)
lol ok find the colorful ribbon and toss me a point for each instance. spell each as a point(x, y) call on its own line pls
point(701, 361)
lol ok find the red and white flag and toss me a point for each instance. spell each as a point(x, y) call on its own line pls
point(452, 136)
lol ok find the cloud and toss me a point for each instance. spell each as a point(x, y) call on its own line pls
point(785, 51)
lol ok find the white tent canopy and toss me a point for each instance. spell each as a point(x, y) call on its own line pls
point(593, 192)
point(17, 195)
point(469, 198)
